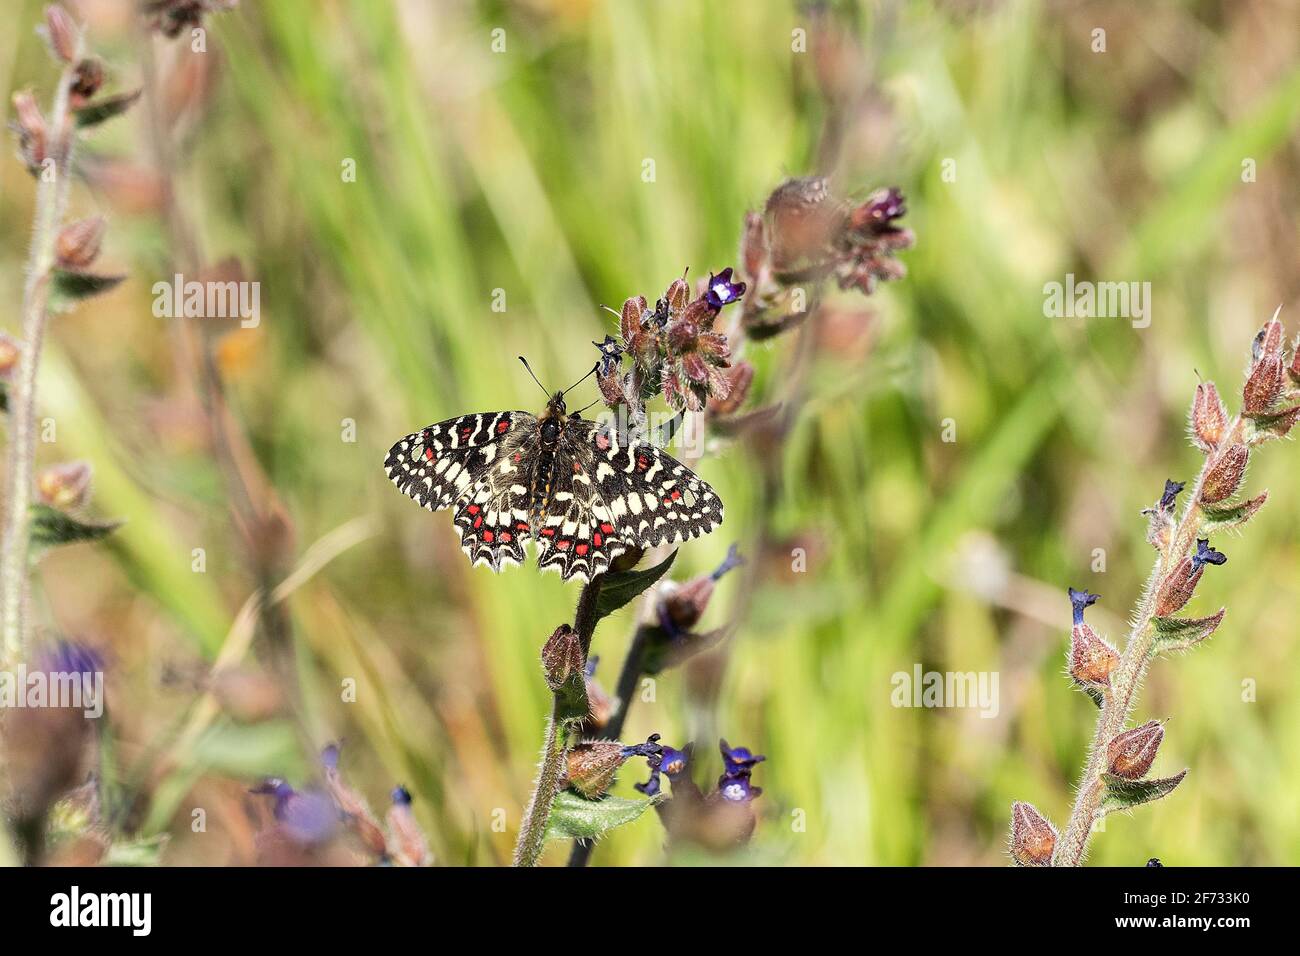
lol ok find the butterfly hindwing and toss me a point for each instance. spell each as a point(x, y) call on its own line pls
point(492, 515)
point(577, 536)
point(439, 464)
point(652, 498)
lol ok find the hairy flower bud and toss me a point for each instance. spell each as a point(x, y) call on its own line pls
point(1033, 838)
point(562, 657)
point(590, 766)
point(1131, 753)
point(64, 486)
point(1225, 474)
point(1178, 586)
point(87, 78)
point(681, 606)
point(78, 243)
point(1208, 417)
point(408, 846)
point(33, 139)
point(1091, 659)
point(739, 379)
point(61, 33)
point(753, 247)
point(1264, 386)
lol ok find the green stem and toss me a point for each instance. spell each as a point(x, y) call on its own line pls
point(51, 203)
point(532, 833)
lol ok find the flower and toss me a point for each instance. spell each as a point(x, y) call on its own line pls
point(737, 789)
point(721, 290)
point(738, 759)
point(307, 817)
point(1080, 600)
point(1176, 590)
point(407, 845)
point(1207, 555)
point(668, 761)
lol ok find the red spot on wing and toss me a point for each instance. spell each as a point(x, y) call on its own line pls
point(502, 427)
point(428, 453)
point(563, 544)
point(473, 509)
point(478, 521)
point(581, 548)
point(602, 441)
point(521, 526)
point(505, 536)
point(606, 527)
point(548, 532)
point(597, 540)
point(488, 536)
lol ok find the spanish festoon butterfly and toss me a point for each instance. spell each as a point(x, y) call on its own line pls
point(571, 485)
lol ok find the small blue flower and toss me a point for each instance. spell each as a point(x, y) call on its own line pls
point(650, 748)
point(1207, 555)
point(401, 797)
point(611, 353)
point(329, 757)
point(651, 787)
point(66, 657)
point(732, 561)
point(307, 817)
point(1172, 488)
point(721, 290)
point(737, 788)
point(738, 759)
point(674, 762)
point(590, 669)
point(1080, 600)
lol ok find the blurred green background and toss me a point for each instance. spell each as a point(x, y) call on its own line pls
point(522, 171)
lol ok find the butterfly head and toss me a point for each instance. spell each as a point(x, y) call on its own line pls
point(555, 408)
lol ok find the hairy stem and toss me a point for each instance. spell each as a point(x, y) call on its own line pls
point(532, 833)
point(51, 203)
point(1128, 676)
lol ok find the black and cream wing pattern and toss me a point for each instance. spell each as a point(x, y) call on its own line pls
point(579, 492)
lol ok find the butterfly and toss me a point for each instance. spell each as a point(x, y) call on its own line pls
point(576, 488)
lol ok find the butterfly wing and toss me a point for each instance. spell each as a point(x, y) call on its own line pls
point(437, 465)
point(652, 498)
point(577, 535)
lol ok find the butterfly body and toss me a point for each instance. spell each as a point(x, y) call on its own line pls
point(575, 488)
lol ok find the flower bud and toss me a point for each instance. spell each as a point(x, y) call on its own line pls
point(1178, 586)
point(1033, 838)
point(1208, 416)
point(682, 606)
point(1161, 517)
point(1264, 386)
point(64, 486)
point(753, 247)
point(562, 657)
point(87, 78)
point(1131, 753)
point(591, 765)
point(739, 378)
point(1268, 340)
point(61, 32)
point(10, 352)
point(1091, 659)
point(78, 243)
point(1225, 474)
point(33, 140)
point(408, 845)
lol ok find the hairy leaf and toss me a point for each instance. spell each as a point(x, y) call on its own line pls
point(1180, 633)
point(577, 818)
point(71, 287)
point(1260, 428)
point(1216, 518)
point(105, 109)
point(620, 588)
point(51, 527)
point(1126, 794)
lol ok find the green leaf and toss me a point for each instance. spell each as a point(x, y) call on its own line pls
point(71, 287)
point(1260, 428)
point(576, 818)
point(1126, 794)
point(621, 588)
point(51, 528)
point(144, 852)
point(1180, 633)
point(105, 109)
point(1216, 518)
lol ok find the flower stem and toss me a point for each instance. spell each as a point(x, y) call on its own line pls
point(532, 834)
point(51, 203)
point(1128, 676)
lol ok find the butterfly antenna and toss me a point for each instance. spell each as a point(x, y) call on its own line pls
point(583, 379)
point(535, 379)
point(587, 406)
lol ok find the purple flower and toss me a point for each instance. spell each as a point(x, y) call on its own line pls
point(721, 290)
point(329, 757)
point(1081, 600)
point(611, 353)
point(651, 787)
point(738, 759)
point(308, 817)
point(737, 788)
point(401, 796)
point(1206, 555)
point(66, 657)
point(674, 762)
point(1172, 488)
point(650, 748)
point(885, 205)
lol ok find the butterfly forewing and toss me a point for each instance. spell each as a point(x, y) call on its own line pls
point(440, 463)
